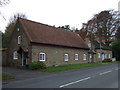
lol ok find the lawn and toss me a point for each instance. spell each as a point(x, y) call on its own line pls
point(74, 66)
point(6, 76)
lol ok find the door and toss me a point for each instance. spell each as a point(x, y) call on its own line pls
point(24, 59)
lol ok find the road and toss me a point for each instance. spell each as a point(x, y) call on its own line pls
point(105, 76)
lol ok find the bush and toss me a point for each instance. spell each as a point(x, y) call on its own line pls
point(107, 60)
point(37, 65)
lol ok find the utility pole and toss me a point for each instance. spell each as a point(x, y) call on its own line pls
point(92, 59)
point(100, 51)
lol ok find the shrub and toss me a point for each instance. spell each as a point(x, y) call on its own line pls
point(107, 60)
point(37, 65)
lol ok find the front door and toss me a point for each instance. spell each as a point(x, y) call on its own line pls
point(24, 59)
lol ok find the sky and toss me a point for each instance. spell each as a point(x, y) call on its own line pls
point(56, 12)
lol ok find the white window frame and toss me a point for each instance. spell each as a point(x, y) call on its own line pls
point(84, 57)
point(18, 29)
point(65, 57)
point(76, 56)
point(43, 57)
point(19, 39)
point(105, 56)
point(15, 55)
point(109, 55)
point(99, 55)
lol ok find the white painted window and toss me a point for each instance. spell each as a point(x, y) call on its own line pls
point(15, 55)
point(90, 57)
point(99, 56)
point(65, 57)
point(42, 56)
point(76, 56)
point(109, 56)
point(18, 29)
point(19, 39)
point(105, 56)
point(84, 57)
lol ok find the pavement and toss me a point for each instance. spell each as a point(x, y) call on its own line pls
point(105, 76)
point(21, 74)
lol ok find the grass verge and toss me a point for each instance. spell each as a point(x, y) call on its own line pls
point(73, 66)
point(6, 76)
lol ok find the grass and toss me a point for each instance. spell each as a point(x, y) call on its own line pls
point(6, 76)
point(74, 66)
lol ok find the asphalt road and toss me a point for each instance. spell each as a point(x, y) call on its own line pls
point(96, 77)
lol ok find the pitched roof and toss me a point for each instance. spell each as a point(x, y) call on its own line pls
point(45, 34)
point(82, 34)
point(103, 46)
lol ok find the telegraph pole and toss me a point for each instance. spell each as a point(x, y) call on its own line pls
point(100, 51)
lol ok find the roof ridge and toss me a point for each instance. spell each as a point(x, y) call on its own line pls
point(45, 25)
point(34, 21)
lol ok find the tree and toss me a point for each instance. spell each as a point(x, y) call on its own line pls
point(14, 18)
point(1, 39)
point(116, 49)
point(9, 29)
point(101, 27)
point(104, 25)
point(108, 23)
point(66, 27)
point(118, 33)
point(4, 2)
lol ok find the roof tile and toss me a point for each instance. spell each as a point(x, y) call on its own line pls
point(41, 33)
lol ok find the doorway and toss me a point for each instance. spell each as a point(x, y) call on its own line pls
point(24, 59)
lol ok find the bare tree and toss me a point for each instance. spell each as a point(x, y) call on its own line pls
point(108, 22)
point(104, 25)
point(14, 18)
point(4, 2)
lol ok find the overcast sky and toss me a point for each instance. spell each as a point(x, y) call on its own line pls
point(56, 12)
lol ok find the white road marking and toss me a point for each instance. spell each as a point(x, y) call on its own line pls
point(74, 82)
point(105, 72)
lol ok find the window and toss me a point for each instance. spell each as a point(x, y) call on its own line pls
point(105, 56)
point(42, 57)
point(65, 57)
point(76, 56)
point(99, 56)
point(18, 29)
point(84, 57)
point(19, 39)
point(15, 55)
point(109, 56)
